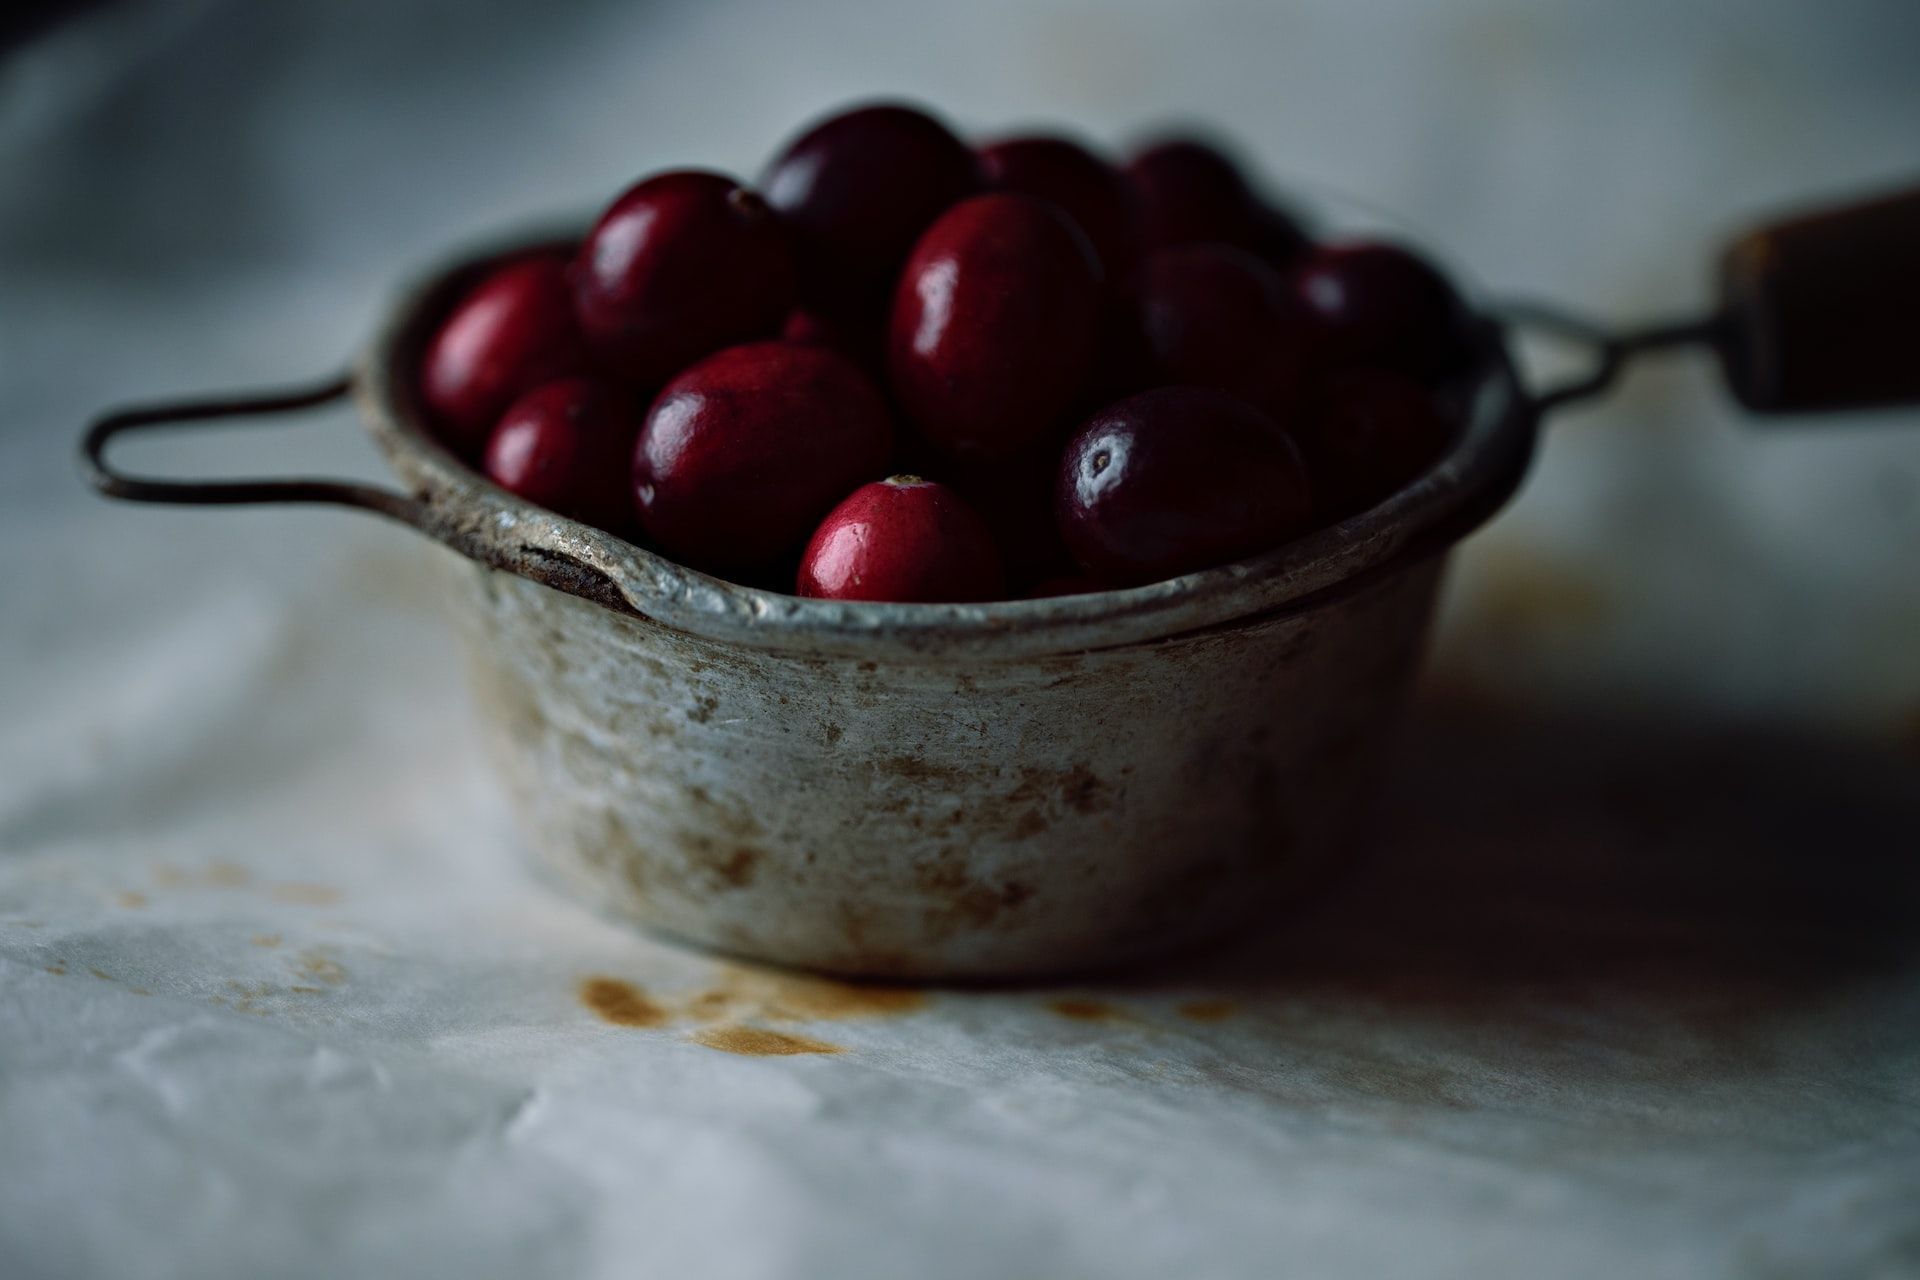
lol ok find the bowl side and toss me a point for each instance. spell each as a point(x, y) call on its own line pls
point(910, 818)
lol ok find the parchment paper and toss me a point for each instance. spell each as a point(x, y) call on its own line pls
point(1627, 986)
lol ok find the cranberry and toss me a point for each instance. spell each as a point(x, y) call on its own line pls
point(512, 331)
point(1370, 431)
point(857, 190)
point(1379, 304)
point(1178, 479)
point(859, 343)
point(567, 446)
point(1086, 188)
point(1216, 316)
point(1015, 498)
point(902, 539)
point(1189, 193)
point(679, 266)
point(743, 453)
point(993, 325)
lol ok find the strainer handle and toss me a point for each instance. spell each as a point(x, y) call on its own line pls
point(551, 565)
point(1822, 310)
point(1816, 312)
point(115, 483)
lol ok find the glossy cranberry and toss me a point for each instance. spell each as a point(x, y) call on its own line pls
point(1369, 432)
point(1380, 305)
point(511, 332)
point(1086, 188)
point(902, 539)
point(679, 266)
point(862, 344)
point(743, 453)
point(568, 446)
point(857, 190)
point(1213, 315)
point(993, 325)
point(1178, 479)
point(1191, 193)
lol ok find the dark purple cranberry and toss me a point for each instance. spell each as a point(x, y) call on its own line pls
point(1178, 479)
point(1368, 432)
point(743, 453)
point(902, 539)
point(1381, 305)
point(1085, 187)
point(511, 332)
point(857, 190)
point(1212, 315)
point(679, 266)
point(864, 345)
point(1015, 497)
point(1190, 193)
point(993, 325)
point(568, 446)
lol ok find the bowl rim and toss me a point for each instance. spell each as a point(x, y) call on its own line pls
point(1463, 487)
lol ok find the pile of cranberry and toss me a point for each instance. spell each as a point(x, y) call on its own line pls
point(1108, 376)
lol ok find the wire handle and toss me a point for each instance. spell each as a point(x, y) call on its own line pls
point(543, 563)
point(1611, 351)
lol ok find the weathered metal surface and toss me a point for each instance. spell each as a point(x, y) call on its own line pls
point(938, 790)
point(945, 818)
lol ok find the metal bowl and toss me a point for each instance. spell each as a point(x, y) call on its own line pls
point(985, 790)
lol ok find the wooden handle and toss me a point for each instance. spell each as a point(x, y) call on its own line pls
point(1823, 311)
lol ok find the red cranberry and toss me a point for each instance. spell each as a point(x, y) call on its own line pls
point(1086, 188)
point(862, 344)
point(1370, 431)
point(993, 325)
point(743, 453)
point(1212, 315)
point(512, 331)
point(857, 190)
point(679, 266)
point(1378, 304)
point(902, 539)
point(1190, 193)
point(568, 446)
point(1178, 479)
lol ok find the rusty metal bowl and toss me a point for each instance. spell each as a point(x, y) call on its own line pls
point(940, 790)
point(926, 791)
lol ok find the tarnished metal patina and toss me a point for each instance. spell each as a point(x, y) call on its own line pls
point(937, 790)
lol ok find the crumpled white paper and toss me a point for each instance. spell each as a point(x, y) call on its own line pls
point(1622, 994)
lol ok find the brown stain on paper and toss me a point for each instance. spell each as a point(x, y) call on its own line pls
point(621, 1003)
point(130, 900)
point(758, 1042)
point(1081, 1009)
point(324, 968)
point(724, 1012)
point(770, 995)
point(1208, 1010)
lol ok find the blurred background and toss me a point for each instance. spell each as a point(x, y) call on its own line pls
point(205, 194)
